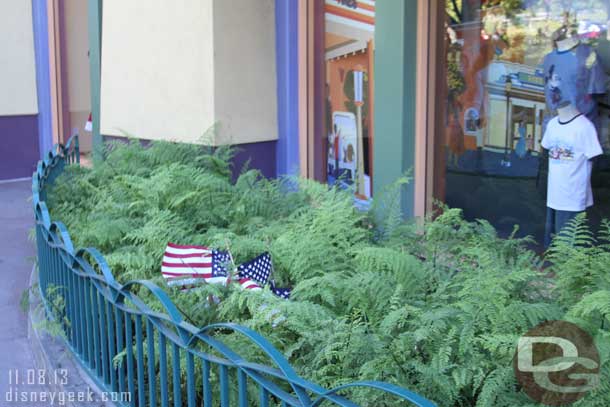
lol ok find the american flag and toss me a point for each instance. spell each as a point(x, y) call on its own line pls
point(280, 292)
point(254, 274)
point(187, 266)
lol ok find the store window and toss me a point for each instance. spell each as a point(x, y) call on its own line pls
point(515, 70)
point(349, 35)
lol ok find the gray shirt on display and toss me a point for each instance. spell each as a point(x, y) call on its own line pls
point(574, 75)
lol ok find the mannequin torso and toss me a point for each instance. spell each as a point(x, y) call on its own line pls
point(567, 44)
point(567, 112)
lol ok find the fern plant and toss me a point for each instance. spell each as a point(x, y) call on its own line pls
point(436, 305)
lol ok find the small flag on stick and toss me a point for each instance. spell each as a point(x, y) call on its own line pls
point(280, 292)
point(254, 274)
point(187, 266)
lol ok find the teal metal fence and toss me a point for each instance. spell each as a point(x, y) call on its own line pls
point(143, 357)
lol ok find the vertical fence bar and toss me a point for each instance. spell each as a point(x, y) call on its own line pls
point(51, 272)
point(49, 255)
point(66, 294)
point(74, 336)
point(104, 338)
point(176, 375)
point(49, 262)
point(120, 343)
point(242, 388)
point(47, 267)
point(111, 344)
point(39, 255)
point(51, 267)
point(140, 361)
point(207, 390)
point(152, 381)
point(61, 290)
point(129, 348)
point(66, 280)
point(82, 312)
point(190, 379)
point(56, 288)
point(224, 386)
point(263, 400)
point(66, 317)
point(43, 264)
point(163, 370)
point(88, 322)
point(96, 333)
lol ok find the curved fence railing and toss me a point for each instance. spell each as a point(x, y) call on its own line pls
point(143, 357)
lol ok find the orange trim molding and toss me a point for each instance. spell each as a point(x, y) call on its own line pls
point(55, 71)
point(365, 6)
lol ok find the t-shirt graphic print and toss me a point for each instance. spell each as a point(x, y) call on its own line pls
point(561, 153)
point(571, 145)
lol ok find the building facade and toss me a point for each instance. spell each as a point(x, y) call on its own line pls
point(354, 93)
point(19, 100)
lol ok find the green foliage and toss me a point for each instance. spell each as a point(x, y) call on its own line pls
point(55, 311)
point(435, 306)
point(581, 264)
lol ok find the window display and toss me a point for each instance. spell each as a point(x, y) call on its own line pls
point(511, 66)
point(349, 51)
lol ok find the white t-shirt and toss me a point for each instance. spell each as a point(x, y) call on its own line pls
point(571, 145)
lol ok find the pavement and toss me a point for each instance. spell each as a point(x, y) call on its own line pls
point(17, 363)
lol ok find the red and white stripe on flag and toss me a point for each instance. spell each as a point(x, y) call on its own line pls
point(189, 265)
point(249, 284)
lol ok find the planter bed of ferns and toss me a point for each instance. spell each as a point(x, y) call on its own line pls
point(436, 307)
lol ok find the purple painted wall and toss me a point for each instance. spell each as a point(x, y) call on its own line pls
point(287, 63)
point(43, 79)
point(262, 156)
point(19, 148)
point(63, 55)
